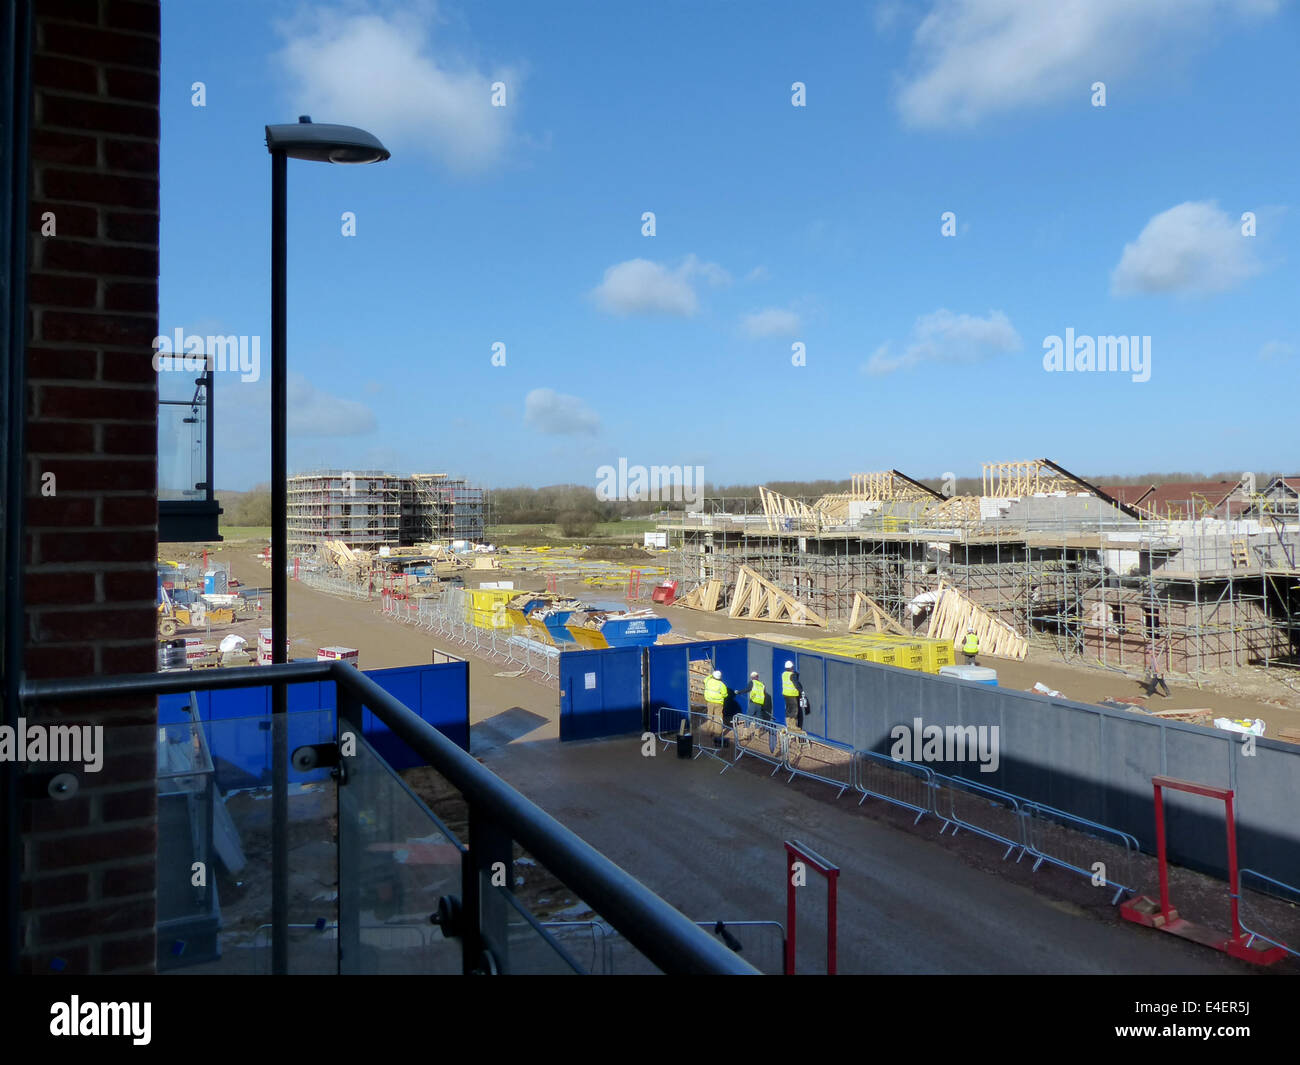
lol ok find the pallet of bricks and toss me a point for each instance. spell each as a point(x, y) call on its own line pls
point(906, 652)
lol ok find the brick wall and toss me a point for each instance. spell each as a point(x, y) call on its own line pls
point(89, 865)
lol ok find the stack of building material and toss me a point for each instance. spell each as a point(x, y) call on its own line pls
point(954, 614)
point(706, 596)
point(758, 598)
point(866, 609)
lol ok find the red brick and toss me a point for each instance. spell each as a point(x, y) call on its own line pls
point(129, 510)
point(137, 879)
point(83, 258)
point(140, 86)
point(135, 953)
point(135, 369)
point(48, 891)
point(47, 815)
point(104, 45)
point(130, 805)
point(74, 112)
point(70, 149)
point(131, 658)
point(110, 329)
point(95, 921)
point(62, 290)
point(129, 585)
point(113, 546)
point(61, 588)
point(64, 661)
point(57, 363)
point(132, 296)
point(46, 961)
point(68, 401)
point(70, 220)
point(129, 440)
point(132, 227)
point(129, 15)
point(86, 186)
point(71, 851)
point(104, 624)
point(58, 438)
point(86, 11)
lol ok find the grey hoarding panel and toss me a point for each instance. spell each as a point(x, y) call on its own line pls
point(841, 683)
point(1132, 749)
point(1268, 830)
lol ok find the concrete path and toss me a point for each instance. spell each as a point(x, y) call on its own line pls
point(712, 846)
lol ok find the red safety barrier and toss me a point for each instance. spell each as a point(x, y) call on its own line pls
point(1163, 916)
point(797, 854)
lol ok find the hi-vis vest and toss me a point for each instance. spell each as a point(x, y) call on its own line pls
point(714, 691)
point(971, 645)
point(758, 693)
point(787, 684)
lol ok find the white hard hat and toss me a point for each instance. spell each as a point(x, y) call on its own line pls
point(789, 665)
point(754, 674)
point(717, 674)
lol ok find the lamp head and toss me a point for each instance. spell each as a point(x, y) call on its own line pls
point(325, 144)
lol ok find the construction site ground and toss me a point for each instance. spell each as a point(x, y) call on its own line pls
point(911, 900)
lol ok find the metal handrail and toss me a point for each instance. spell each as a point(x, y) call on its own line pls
point(660, 932)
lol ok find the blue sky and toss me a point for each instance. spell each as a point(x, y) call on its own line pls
point(775, 225)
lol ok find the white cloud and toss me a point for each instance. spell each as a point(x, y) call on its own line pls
point(383, 73)
point(316, 413)
point(759, 273)
point(1276, 351)
point(976, 58)
point(1191, 248)
point(946, 337)
point(553, 412)
point(640, 286)
point(771, 322)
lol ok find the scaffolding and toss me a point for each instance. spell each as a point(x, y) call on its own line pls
point(1071, 570)
point(370, 509)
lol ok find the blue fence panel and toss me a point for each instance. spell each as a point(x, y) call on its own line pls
point(238, 720)
point(600, 693)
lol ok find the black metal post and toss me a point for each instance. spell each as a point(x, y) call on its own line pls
point(15, 70)
point(279, 581)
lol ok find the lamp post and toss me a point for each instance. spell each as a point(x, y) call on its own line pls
point(321, 144)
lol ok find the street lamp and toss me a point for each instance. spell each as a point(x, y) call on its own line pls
point(320, 144)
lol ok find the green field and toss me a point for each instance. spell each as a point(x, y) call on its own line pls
point(245, 532)
point(605, 532)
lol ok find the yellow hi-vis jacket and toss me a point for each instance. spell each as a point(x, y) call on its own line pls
point(714, 691)
point(758, 693)
point(970, 645)
point(787, 683)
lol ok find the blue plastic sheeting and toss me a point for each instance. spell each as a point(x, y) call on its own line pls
point(600, 693)
point(237, 721)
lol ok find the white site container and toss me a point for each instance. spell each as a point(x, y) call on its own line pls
point(978, 674)
point(338, 654)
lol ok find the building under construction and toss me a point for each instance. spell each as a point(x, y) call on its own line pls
point(1066, 564)
point(370, 509)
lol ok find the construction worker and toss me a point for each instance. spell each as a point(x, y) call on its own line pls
point(792, 689)
point(970, 646)
point(715, 697)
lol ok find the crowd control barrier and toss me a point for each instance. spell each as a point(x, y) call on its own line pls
point(1071, 842)
point(980, 809)
point(1249, 911)
point(904, 784)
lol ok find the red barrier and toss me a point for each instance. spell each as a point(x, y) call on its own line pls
point(797, 854)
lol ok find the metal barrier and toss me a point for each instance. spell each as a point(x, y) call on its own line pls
point(536, 660)
point(754, 735)
point(333, 585)
point(985, 811)
point(764, 953)
point(1286, 892)
point(904, 784)
point(703, 727)
point(1053, 836)
point(818, 759)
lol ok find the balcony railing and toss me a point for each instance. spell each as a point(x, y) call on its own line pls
point(412, 894)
